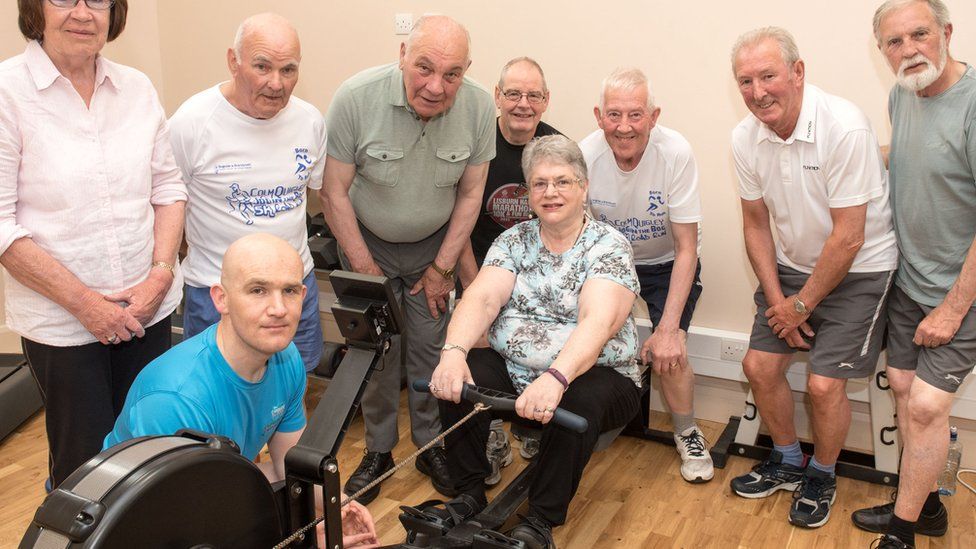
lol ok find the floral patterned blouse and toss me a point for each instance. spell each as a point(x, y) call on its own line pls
point(535, 324)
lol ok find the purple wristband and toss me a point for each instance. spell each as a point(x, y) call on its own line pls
point(559, 377)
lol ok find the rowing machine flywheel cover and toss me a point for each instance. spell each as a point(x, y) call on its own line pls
point(187, 490)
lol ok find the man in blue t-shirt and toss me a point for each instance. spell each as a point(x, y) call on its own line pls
point(242, 378)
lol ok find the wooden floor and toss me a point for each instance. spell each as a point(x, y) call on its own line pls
point(631, 496)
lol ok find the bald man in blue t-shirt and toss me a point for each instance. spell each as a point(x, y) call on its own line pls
point(242, 378)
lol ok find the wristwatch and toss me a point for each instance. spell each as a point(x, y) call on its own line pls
point(446, 273)
point(799, 306)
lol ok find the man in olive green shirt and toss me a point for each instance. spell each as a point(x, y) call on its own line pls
point(408, 151)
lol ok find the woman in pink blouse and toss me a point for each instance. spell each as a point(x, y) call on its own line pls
point(91, 216)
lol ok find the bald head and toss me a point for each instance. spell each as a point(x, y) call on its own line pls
point(265, 25)
point(263, 64)
point(257, 254)
point(433, 60)
point(259, 299)
point(443, 30)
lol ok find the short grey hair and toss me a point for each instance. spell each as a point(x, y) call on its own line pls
point(558, 149)
point(420, 28)
point(516, 61)
point(787, 45)
point(939, 11)
point(626, 79)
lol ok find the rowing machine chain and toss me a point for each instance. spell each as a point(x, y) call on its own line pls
point(478, 407)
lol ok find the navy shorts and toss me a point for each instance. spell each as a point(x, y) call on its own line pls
point(655, 280)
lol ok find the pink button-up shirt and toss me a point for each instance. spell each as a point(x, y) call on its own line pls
point(81, 182)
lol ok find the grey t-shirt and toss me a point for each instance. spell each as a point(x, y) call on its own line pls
point(933, 188)
point(406, 171)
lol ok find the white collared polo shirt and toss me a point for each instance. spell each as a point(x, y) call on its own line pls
point(832, 160)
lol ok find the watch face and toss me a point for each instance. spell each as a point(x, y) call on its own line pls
point(799, 306)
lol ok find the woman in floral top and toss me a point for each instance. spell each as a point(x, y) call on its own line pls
point(555, 297)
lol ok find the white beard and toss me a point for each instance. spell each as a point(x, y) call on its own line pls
point(920, 80)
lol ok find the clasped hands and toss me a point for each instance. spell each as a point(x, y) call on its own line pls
point(787, 323)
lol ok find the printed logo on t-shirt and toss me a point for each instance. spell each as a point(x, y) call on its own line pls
point(304, 169)
point(508, 205)
point(277, 413)
point(655, 202)
point(638, 229)
point(231, 167)
point(262, 202)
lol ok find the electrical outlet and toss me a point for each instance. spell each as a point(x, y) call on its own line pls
point(733, 350)
point(402, 23)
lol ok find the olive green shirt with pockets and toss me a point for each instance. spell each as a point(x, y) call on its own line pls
point(407, 171)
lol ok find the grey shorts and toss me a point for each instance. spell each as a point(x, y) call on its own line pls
point(848, 324)
point(945, 366)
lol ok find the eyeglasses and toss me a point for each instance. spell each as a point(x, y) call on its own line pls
point(516, 95)
point(540, 186)
point(92, 4)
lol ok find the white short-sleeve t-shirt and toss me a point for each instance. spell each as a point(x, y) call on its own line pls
point(644, 202)
point(832, 160)
point(244, 175)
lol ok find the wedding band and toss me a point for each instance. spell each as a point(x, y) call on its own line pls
point(549, 410)
point(433, 388)
point(113, 339)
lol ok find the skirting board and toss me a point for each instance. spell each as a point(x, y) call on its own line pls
point(721, 386)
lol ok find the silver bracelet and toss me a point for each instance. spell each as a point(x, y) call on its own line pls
point(451, 346)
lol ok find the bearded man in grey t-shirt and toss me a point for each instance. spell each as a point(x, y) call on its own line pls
point(931, 322)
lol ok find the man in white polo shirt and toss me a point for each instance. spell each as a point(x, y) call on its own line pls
point(644, 182)
point(249, 151)
point(812, 162)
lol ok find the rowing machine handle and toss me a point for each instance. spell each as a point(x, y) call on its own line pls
point(506, 403)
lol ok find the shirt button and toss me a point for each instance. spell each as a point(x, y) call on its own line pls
point(453, 156)
point(384, 157)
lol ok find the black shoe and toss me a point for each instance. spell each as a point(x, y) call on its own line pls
point(534, 532)
point(373, 465)
point(890, 542)
point(876, 519)
point(433, 463)
point(767, 477)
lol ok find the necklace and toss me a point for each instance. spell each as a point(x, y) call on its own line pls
point(578, 235)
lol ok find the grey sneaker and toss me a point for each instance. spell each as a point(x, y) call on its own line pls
point(499, 452)
point(529, 447)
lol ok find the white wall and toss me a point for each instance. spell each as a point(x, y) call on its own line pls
point(683, 46)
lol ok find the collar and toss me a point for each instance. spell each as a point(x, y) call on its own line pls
point(398, 91)
point(44, 73)
point(806, 122)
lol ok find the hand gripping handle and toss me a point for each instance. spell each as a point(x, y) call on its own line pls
point(506, 402)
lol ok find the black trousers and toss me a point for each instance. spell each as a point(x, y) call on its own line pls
point(603, 396)
point(84, 388)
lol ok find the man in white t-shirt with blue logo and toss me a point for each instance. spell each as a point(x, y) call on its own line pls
point(809, 166)
point(644, 182)
point(249, 152)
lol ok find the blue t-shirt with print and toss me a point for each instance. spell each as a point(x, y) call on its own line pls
point(535, 324)
point(191, 386)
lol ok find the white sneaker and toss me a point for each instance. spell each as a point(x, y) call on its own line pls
point(696, 462)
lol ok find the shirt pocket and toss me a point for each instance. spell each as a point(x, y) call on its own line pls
point(450, 165)
point(382, 165)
